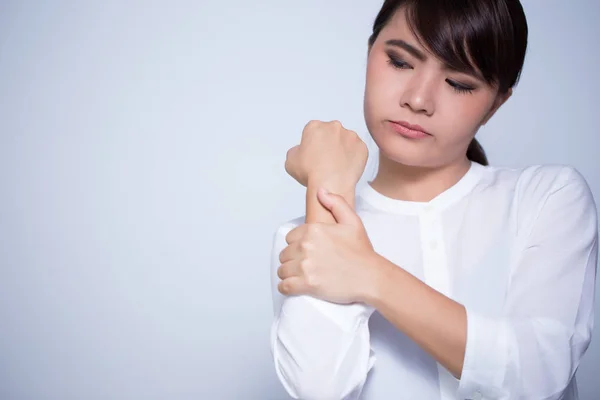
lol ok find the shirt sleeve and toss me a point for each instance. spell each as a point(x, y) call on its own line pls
point(534, 349)
point(321, 350)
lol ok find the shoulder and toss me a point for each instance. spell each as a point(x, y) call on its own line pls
point(550, 177)
point(535, 183)
point(550, 196)
point(538, 183)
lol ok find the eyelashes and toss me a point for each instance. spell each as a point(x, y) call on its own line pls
point(458, 87)
point(397, 63)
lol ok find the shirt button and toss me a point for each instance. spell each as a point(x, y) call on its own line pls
point(428, 208)
point(477, 395)
point(433, 245)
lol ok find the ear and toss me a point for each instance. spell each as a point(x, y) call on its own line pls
point(500, 99)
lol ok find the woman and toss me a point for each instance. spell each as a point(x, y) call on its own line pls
point(443, 278)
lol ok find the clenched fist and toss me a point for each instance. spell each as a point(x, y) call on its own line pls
point(328, 155)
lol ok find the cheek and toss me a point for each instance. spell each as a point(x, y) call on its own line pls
point(380, 88)
point(462, 115)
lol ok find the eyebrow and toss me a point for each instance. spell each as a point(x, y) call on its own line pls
point(419, 55)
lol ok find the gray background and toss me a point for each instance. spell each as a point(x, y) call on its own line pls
point(141, 170)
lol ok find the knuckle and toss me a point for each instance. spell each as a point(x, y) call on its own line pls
point(289, 157)
point(312, 124)
point(312, 280)
point(352, 137)
point(291, 153)
point(315, 230)
point(306, 267)
point(306, 245)
point(363, 146)
point(309, 273)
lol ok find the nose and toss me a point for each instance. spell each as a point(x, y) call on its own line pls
point(419, 95)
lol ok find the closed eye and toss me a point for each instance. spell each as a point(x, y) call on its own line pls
point(398, 63)
point(459, 87)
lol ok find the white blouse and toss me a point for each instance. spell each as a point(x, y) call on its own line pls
point(517, 247)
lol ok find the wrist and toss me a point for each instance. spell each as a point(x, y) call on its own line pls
point(380, 272)
point(346, 190)
point(333, 185)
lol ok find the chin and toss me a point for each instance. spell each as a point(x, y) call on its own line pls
point(407, 159)
point(404, 151)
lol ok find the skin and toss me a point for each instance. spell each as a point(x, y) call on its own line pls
point(330, 256)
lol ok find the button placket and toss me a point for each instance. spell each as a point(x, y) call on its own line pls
point(436, 274)
point(434, 263)
point(430, 228)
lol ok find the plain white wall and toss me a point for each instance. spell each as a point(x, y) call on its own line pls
point(141, 168)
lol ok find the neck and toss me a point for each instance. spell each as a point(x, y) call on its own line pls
point(420, 184)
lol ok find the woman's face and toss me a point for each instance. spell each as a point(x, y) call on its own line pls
point(406, 83)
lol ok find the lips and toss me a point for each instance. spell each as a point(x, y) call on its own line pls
point(408, 130)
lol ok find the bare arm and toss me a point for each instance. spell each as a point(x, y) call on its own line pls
point(433, 321)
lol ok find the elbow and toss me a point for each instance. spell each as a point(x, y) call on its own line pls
point(330, 365)
point(561, 350)
point(311, 385)
point(317, 380)
point(318, 393)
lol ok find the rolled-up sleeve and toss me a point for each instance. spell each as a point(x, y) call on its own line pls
point(321, 350)
point(533, 350)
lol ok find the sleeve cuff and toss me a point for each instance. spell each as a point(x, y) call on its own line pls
point(486, 357)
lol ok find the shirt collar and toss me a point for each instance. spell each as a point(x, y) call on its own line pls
point(451, 195)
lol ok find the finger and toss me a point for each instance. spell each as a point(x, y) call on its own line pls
point(292, 151)
point(339, 207)
point(292, 286)
point(289, 253)
point(287, 270)
point(336, 123)
point(296, 234)
point(290, 155)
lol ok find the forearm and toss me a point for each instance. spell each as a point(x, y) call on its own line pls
point(433, 321)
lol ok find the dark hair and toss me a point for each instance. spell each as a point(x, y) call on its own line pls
point(489, 36)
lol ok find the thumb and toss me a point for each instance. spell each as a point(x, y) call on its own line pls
point(339, 207)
